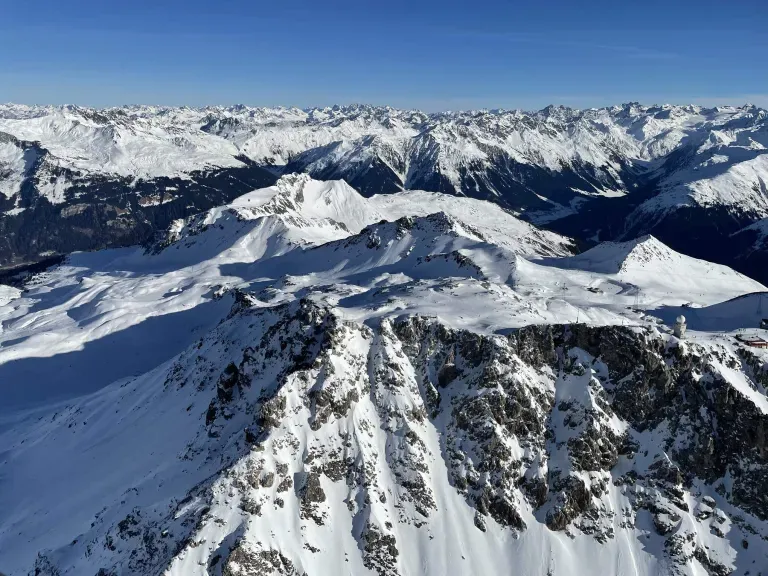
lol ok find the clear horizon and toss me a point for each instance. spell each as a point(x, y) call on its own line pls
point(422, 54)
point(714, 103)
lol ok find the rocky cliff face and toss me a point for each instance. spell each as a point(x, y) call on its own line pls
point(318, 445)
point(106, 211)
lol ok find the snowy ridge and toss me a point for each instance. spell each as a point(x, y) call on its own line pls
point(654, 267)
point(633, 255)
point(319, 212)
point(329, 466)
point(496, 225)
point(119, 142)
point(306, 381)
point(335, 201)
point(748, 311)
point(387, 149)
point(297, 211)
point(734, 179)
point(116, 177)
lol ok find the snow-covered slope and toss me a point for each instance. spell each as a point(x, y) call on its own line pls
point(745, 312)
point(310, 212)
point(120, 142)
point(13, 167)
point(270, 221)
point(496, 225)
point(690, 175)
point(726, 166)
point(306, 381)
point(702, 155)
point(660, 271)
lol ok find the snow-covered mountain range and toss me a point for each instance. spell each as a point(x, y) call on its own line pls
point(309, 381)
point(692, 176)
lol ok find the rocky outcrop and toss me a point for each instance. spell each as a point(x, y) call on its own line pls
point(549, 427)
point(245, 561)
point(107, 211)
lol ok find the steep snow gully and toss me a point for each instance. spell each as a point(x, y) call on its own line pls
point(305, 381)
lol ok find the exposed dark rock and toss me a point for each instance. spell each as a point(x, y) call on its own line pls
point(285, 484)
point(267, 479)
point(572, 499)
point(313, 491)
point(380, 551)
point(109, 211)
point(227, 382)
point(311, 495)
point(713, 567)
point(245, 561)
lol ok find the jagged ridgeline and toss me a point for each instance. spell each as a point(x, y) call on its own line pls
point(75, 178)
point(304, 443)
point(307, 381)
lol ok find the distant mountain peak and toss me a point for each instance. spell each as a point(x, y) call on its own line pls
point(619, 257)
point(304, 380)
point(633, 168)
point(648, 259)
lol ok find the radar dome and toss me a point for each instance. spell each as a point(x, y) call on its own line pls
point(681, 319)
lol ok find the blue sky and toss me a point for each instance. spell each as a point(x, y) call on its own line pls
point(428, 54)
